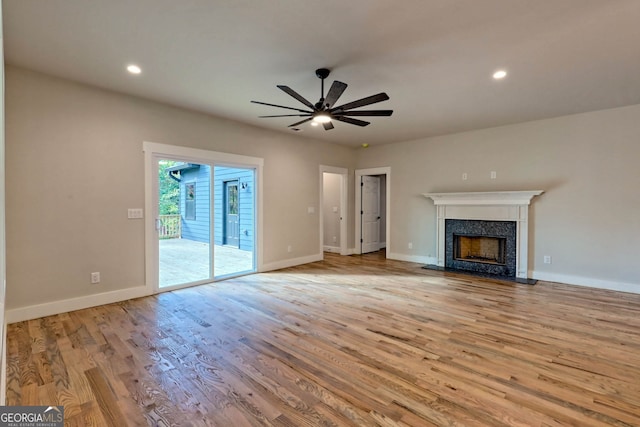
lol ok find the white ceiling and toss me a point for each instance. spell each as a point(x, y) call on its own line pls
point(434, 58)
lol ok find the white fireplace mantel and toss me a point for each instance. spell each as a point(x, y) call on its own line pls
point(486, 206)
point(484, 198)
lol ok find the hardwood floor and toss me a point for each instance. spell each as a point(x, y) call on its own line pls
point(358, 341)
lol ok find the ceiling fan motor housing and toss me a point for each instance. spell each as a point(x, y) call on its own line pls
point(323, 73)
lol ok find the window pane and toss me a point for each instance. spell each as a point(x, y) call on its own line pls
point(233, 199)
point(190, 201)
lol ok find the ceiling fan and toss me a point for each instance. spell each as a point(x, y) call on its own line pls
point(324, 112)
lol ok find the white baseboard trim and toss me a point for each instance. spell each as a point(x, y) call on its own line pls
point(292, 262)
point(79, 303)
point(334, 249)
point(586, 281)
point(72, 304)
point(412, 258)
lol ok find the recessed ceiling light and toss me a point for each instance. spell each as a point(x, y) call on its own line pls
point(500, 74)
point(314, 123)
point(134, 69)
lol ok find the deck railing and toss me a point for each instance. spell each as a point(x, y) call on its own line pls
point(170, 227)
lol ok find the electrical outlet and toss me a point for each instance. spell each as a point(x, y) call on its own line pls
point(547, 259)
point(464, 176)
point(95, 278)
point(289, 248)
point(410, 245)
point(493, 174)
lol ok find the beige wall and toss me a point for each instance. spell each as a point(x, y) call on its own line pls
point(75, 164)
point(588, 164)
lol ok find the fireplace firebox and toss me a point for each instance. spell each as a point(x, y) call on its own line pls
point(484, 249)
point(481, 246)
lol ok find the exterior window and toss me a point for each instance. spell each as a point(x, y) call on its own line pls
point(232, 201)
point(190, 201)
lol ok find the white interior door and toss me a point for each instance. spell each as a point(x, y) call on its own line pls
point(370, 213)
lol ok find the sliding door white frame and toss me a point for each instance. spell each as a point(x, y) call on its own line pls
point(154, 151)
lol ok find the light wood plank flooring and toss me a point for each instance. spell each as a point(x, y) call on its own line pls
point(350, 341)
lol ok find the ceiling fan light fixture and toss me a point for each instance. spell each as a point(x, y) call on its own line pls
point(500, 74)
point(322, 118)
point(134, 69)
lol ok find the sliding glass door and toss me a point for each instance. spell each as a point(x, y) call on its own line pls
point(183, 223)
point(204, 219)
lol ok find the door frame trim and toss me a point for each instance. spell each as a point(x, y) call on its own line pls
point(344, 173)
point(359, 173)
point(153, 150)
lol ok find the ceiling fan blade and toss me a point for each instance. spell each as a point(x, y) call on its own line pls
point(328, 126)
point(351, 121)
point(281, 106)
point(337, 88)
point(379, 97)
point(286, 115)
point(296, 95)
point(300, 122)
point(365, 113)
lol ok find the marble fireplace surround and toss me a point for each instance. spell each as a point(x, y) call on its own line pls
point(486, 206)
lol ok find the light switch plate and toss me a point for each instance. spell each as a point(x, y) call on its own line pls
point(135, 213)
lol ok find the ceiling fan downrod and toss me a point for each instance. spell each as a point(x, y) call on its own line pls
point(322, 73)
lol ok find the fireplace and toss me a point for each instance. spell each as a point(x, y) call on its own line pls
point(480, 246)
point(500, 217)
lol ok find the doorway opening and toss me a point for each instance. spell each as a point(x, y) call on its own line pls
point(333, 210)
